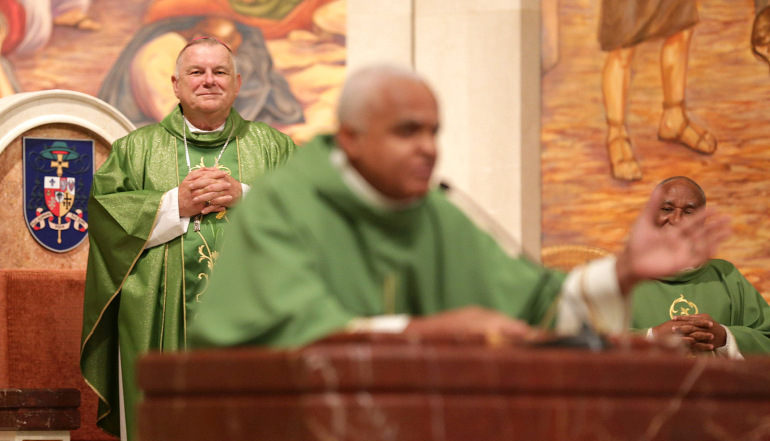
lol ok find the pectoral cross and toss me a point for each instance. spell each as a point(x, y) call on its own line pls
point(197, 223)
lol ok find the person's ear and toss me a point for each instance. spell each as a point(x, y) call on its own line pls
point(346, 140)
point(175, 85)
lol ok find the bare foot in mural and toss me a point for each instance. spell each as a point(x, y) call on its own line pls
point(624, 164)
point(77, 19)
point(676, 126)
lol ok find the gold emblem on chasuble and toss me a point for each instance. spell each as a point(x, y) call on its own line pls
point(216, 164)
point(682, 306)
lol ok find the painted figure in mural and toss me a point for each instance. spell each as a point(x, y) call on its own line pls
point(272, 9)
point(42, 15)
point(760, 31)
point(11, 33)
point(134, 85)
point(712, 308)
point(275, 18)
point(26, 27)
point(351, 235)
point(148, 267)
point(624, 25)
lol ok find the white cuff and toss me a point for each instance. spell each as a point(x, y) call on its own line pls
point(730, 349)
point(591, 294)
point(394, 324)
point(168, 224)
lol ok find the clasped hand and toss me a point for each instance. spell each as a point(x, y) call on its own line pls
point(699, 332)
point(210, 185)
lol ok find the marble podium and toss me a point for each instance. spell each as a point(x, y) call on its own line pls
point(391, 388)
point(38, 414)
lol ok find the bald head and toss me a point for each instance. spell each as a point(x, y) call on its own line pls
point(205, 41)
point(362, 94)
point(682, 197)
point(686, 182)
point(388, 124)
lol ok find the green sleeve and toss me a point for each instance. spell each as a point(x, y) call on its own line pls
point(285, 147)
point(120, 221)
point(527, 291)
point(266, 289)
point(750, 323)
point(121, 216)
point(514, 285)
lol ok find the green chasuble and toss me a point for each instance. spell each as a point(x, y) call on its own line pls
point(718, 289)
point(140, 297)
point(304, 255)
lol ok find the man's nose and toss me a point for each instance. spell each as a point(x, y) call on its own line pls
point(428, 145)
point(208, 77)
point(675, 217)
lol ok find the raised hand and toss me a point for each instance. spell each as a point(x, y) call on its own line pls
point(653, 252)
point(471, 321)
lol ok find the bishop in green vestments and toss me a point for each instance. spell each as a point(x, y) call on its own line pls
point(158, 210)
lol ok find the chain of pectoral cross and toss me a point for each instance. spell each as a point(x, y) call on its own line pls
point(199, 216)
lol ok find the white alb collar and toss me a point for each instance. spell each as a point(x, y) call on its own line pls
point(194, 129)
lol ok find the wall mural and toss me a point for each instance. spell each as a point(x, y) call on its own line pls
point(290, 53)
point(679, 94)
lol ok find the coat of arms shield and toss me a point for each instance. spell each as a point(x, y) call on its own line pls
point(58, 174)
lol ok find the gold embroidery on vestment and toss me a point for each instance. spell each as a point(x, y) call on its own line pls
point(216, 164)
point(682, 306)
point(204, 251)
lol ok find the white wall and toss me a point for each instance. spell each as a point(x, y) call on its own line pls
point(483, 59)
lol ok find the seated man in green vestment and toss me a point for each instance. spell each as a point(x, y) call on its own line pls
point(712, 308)
point(352, 236)
point(157, 211)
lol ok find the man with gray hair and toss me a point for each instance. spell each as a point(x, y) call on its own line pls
point(351, 236)
point(157, 211)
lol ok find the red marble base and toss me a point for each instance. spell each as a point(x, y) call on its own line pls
point(39, 409)
point(384, 389)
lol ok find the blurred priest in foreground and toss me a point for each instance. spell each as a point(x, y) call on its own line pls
point(351, 236)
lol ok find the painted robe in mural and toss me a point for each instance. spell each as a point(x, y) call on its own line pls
point(626, 23)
